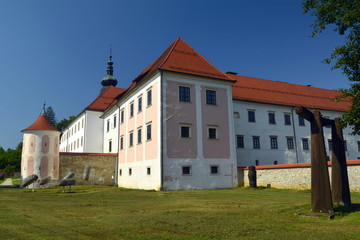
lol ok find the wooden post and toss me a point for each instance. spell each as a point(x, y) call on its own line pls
point(320, 184)
point(339, 176)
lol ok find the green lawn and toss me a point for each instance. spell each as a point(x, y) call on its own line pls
point(113, 213)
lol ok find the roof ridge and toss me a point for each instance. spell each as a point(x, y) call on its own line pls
point(206, 60)
point(172, 47)
point(290, 93)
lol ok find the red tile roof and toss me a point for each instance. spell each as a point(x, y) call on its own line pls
point(105, 99)
point(181, 57)
point(42, 123)
point(274, 92)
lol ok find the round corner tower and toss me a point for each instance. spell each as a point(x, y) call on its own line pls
point(40, 153)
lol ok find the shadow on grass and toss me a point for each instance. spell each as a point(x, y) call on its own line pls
point(345, 210)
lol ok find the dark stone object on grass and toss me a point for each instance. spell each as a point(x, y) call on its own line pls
point(252, 177)
point(86, 173)
point(29, 180)
point(69, 175)
point(44, 180)
point(67, 182)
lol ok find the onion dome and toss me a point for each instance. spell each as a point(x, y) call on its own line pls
point(109, 79)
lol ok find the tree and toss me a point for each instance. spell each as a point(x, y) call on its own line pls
point(344, 17)
point(49, 112)
point(62, 125)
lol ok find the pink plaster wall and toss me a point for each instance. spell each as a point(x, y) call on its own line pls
point(152, 148)
point(216, 115)
point(178, 113)
point(56, 145)
point(32, 143)
point(30, 166)
point(44, 170)
point(56, 167)
point(45, 144)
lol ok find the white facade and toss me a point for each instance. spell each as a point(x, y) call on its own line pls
point(286, 150)
point(84, 134)
point(111, 130)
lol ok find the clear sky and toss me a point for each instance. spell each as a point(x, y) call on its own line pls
point(57, 51)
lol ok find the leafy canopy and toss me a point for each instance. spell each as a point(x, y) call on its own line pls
point(344, 17)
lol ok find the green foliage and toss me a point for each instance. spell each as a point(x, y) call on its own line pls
point(10, 160)
point(49, 112)
point(344, 17)
point(64, 123)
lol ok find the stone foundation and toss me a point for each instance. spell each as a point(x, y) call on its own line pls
point(295, 176)
point(101, 172)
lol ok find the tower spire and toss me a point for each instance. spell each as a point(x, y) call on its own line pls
point(43, 111)
point(109, 79)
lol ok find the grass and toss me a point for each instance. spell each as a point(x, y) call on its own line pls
point(112, 213)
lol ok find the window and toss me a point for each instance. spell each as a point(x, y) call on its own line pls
point(272, 118)
point(240, 141)
point(121, 142)
point(214, 170)
point(301, 121)
point(184, 94)
point(257, 162)
point(107, 125)
point(186, 170)
point(212, 133)
point(131, 139)
point(148, 132)
point(131, 109)
point(120, 172)
point(148, 171)
point(140, 104)
point(330, 144)
point(256, 142)
point(358, 144)
point(275, 162)
point(273, 142)
point(345, 145)
point(149, 97)
point(130, 171)
point(251, 115)
point(211, 97)
point(122, 116)
point(110, 146)
point(305, 143)
point(114, 121)
point(185, 131)
point(290, 142)
point(287, 119)
point(139, 136)
point(82, 141)
point(236, 115)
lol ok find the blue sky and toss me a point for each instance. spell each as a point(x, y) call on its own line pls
point(56, 51)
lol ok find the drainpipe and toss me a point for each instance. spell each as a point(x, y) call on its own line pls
point(161, 133)
point(295, 142)
point(116, 179)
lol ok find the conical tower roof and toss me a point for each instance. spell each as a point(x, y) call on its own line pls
point(42, 123)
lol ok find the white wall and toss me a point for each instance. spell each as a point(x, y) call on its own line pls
point(72, 139)
point(113, 133)
point(265, 155)
point(94, 134)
